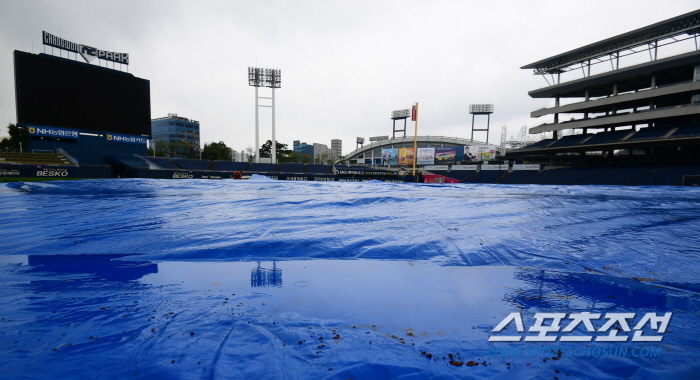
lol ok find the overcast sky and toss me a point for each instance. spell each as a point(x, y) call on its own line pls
point(345, 64)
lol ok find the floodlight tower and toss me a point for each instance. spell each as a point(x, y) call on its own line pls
point(398, 115)
point(272, 78)
point(481, 109)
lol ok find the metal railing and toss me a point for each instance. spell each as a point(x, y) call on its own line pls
point(151, 165)
point(68, 157)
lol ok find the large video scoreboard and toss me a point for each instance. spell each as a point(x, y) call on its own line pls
point(58, 92)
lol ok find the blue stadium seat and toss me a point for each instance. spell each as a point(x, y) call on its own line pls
point(549, 177)
point(230, 166)
point(316, 168)
point(650, 134)
point(90, 160)
point(587, 175)
point(686, 131)
point(671, 175)
point(291, 168)
point(518, 177)
point(607, 137)
point(164, 163)
point(265, 168)
point(621, 174)
point(569, 141)
point(537, 145)
point(460, 175)
point(126, 160)
point(486, 176)
point(193, 164)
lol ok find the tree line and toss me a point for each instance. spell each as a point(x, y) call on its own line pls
point(17, 135)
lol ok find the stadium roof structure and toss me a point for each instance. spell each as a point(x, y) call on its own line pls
point(650, 37)
point(649, 106)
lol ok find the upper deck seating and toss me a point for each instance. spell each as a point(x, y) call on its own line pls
point(569, 141)
point(686, 131)
point(607, 137)
point(539, 144)
point(650, 134)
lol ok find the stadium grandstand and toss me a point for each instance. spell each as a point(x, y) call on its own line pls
point(647, 174)
point(633, 121)
point(629, 115)
point(372, 154)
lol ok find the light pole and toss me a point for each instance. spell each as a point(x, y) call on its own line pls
point(272, 78)
point(481, 109)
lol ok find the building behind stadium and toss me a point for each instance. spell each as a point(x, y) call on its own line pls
point(176, 129)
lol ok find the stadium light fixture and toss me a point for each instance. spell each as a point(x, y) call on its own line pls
point(481, 109)
point(400, 115)
point(272, 78)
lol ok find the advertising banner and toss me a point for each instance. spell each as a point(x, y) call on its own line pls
point(434, 178)
point(464, 167)
point(406, 156)
point(52, 172)
point(53, 132)
point(113, 137)
point(87, 52)
point(445, 155)
point(9, 172)
point(390, 156)
point(495, 167)
point(437, 167)
point(526, 167)
point(426, 156)
point(479, 152)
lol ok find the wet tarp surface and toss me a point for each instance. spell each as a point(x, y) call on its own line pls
point(196, 279)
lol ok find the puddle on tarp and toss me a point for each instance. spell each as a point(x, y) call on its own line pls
point(110, 317)
point(110, 278)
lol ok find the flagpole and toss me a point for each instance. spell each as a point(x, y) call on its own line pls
point(415, 140)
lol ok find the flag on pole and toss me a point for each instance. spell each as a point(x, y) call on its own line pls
point(413, 113)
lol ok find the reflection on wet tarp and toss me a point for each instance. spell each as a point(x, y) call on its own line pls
point(264, 277)
point(565, 290)
point(107, 267)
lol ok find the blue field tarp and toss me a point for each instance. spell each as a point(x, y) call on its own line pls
point(264, 279)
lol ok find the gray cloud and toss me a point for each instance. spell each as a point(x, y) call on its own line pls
point(345, 65)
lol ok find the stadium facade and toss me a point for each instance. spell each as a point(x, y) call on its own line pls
point(634, 124)
point(644, 112)
point(78, 110)
point(89, 121)
point(439, 150)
